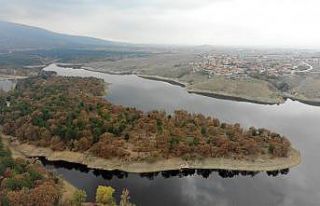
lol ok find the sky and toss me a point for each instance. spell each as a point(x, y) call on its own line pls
point(251, 23)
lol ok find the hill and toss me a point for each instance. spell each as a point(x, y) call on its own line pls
point(20, 37)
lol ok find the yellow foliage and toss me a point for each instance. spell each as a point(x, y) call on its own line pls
point(104, 195)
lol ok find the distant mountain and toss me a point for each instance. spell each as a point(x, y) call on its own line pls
point(17, 36)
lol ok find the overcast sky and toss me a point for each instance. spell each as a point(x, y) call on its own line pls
point(271, 23)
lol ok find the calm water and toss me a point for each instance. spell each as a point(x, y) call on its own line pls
point(299, 122)
point(6, 85)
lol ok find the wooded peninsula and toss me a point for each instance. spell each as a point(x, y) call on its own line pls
point(70, 114)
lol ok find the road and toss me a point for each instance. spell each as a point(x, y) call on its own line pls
point(303, 71)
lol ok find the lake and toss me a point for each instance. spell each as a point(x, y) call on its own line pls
point(298, 121)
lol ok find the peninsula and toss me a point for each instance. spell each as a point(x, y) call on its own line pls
point(65, 118)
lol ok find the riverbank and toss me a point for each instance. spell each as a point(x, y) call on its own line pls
point(163, 79)
point(69, 65)
point(237, 97)
point(106, 72)
point(258, 164)
point(218, 95)
point(151, 77)
point(313, 102)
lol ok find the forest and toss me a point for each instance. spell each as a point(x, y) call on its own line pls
point(69, 113)
point(26, 183)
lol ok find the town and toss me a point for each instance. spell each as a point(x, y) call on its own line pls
point(242, 63)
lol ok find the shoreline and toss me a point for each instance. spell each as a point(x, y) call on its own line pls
point(312, 102)
point(210, 93)
point(185, 85)
point(235, 98)
point(90, 69)
point(163, 79)
point(259, 164)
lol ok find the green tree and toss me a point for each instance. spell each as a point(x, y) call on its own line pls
point(203, 131)
point(78, 197)
point(4, 201)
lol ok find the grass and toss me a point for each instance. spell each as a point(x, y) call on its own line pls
point(309, 88)
point(251, 88)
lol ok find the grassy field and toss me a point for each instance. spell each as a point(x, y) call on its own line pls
point(252, 89)
point(176, 66)
point(309, 88)
point(165, 65)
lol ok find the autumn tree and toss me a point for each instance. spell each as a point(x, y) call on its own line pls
point(104, 196)
point(67, 113)
point(125, 198)
point(78, 197)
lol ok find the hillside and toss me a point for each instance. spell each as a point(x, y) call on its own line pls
point(17, 36)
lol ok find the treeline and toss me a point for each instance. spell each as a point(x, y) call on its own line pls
point(67, 113)
point(25, 183)
point(104, 197)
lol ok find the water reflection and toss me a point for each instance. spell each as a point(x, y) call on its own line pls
point(109, 175)
point(299, 122)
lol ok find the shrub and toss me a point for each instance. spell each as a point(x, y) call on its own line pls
point(104, 195)
point(78, 197)
point(18, 182)
point(125, 199)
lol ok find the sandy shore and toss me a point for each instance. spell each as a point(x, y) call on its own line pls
point(263, 163)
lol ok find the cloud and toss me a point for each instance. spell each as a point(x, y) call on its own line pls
point(284, 23)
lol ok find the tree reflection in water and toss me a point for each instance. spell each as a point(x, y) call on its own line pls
point(205, 173)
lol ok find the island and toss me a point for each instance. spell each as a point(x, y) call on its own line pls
point(67, 119)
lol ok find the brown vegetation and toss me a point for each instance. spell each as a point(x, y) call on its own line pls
point(67, 113)
point(25, 183)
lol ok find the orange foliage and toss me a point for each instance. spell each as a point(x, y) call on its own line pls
point(67, 113)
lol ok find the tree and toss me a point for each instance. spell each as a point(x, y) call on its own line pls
point(17, 198)
point(104, 195)
point(203, 131)
point(46, 194)
point(78, 197)
point(65, 113)
point(125, 198)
